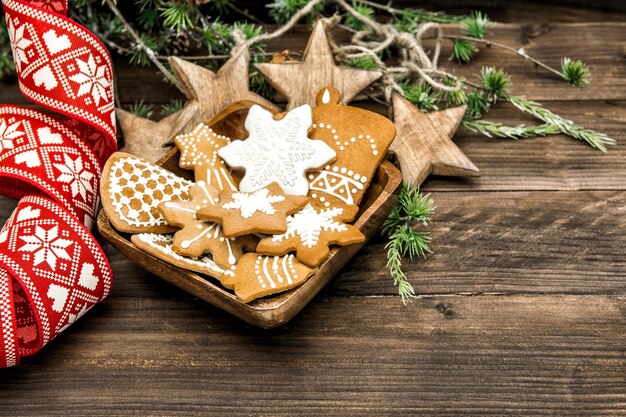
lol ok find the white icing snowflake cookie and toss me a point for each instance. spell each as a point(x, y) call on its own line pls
point(277, 151)
point(310, 232)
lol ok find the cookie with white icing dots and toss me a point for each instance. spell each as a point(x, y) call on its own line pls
point(310, 232)
point(258, 275)
point(360, 139)
point(261, 211)
point(131, 189)
point(198, 151)
point(197, 237)
point(277, 151)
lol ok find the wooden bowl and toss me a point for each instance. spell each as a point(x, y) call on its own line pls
point(276, 310)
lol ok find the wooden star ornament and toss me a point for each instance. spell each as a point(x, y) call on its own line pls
point(423, 143)
point(301, 81)
point(214, 91)
point(146, 138)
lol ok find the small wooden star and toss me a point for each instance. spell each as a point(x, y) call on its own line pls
point(214, 91)
point(145, 138)
point(262, 211)
point(301, 81)
point(423, 142)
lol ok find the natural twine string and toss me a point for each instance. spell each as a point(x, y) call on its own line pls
point(372, 40)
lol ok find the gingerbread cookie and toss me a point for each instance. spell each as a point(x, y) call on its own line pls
point(262, 211)
point(198, 151)
point(258, 275)
point(360, 139)
point(131, 189)
point(309, 232)
point(198, 237)
point(277, 151)
point(160, 246)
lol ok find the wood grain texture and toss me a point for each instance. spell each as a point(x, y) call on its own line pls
point(449, 356)
point(214, 91)
point(145, 138)
point(301, 81)
point(510, 242)
point(151, 349)
point(423, 143)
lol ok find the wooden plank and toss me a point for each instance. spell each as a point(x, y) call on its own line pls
point(449, 356)
point(510, 242)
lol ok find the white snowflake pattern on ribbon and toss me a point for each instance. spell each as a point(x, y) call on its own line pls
point(46, 246)
point(92, 79)
point(8, 133)
point(19, 43)
point(73, 172)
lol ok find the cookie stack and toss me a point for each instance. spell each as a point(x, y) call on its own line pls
point(264, 209)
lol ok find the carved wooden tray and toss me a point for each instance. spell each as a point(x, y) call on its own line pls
point(276, 310)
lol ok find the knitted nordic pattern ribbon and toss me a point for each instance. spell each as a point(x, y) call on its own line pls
point(52, 270)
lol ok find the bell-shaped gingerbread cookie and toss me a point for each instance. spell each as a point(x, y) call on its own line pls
point(360, 138)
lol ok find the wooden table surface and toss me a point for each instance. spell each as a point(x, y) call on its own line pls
point(523, 302)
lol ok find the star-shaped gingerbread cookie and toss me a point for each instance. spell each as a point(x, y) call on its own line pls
point(197, 237)
point(310, 232)
point(262, 211)
point(277, 151)
point(198, 151)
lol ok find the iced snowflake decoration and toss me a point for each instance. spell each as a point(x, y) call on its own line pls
point(19, 44)
point(8, 133)
point(92, 79)
point(74, 173)
point(308, 224)
point(250, 203)
point(46, 246)
point(277, 151)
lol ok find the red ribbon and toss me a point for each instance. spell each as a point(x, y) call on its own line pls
point(52, 270)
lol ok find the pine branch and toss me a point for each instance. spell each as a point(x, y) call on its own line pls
point(595, 139)
point(412, 207)
point(150, 54)
point(491, 129)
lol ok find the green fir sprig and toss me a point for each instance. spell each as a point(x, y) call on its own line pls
point(412, 208)
point(595, 139)
point(282, 10)
point(172, 107)
point(499, 130)
point(421, 95)
point(475, 26)
point(142, 109)
point(575, 72)
point(496, 83)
